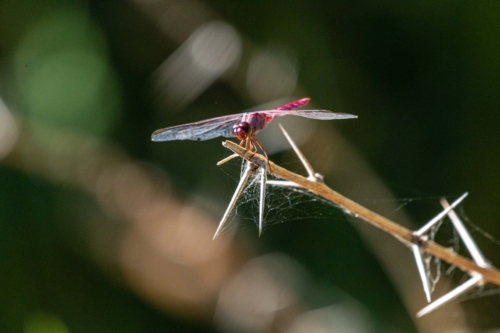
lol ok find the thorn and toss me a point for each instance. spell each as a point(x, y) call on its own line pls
point(440, 216)
point(417, 242)
point(283, 183)
point(236, 195)
point(263, 180)
point(305, 162)
point(227, 159)
point(466, 237)
point(421, 270)
point(457, 292)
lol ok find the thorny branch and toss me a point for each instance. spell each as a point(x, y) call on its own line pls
point(403, 234)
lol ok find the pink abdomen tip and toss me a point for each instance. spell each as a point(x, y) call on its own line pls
point(294, 105)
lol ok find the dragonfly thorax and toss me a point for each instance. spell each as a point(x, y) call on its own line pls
point(242, 130)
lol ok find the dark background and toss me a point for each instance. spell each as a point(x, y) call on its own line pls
point(86, 82)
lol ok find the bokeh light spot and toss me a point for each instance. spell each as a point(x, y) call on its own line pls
point(211, 51)
point(63, 74)
point(215, 47)
point(65, 88)
point(42, 322)
point(272, 73)
point(9, 131)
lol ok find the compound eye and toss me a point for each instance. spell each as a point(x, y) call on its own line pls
point(242, 130)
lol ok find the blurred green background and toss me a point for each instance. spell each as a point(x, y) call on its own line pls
point(102, 230)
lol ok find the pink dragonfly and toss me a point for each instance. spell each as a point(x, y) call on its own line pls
point(244, 126)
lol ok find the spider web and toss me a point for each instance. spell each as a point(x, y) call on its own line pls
point(282, 204)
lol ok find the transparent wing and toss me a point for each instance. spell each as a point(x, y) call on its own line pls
point(289, 110)
point(223, 126)
point(200, 130)
point(313, 114)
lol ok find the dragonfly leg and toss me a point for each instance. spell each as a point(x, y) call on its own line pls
point(250, 146)
point(253, 147)
point(256, 141)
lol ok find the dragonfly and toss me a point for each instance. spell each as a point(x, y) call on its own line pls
point(244, 126)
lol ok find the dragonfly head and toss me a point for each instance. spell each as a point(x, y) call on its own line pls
point(242, 130)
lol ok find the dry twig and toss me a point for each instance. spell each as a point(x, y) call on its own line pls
point(403, 234)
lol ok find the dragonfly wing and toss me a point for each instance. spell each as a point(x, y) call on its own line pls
point(313, 114)
point(200, 130)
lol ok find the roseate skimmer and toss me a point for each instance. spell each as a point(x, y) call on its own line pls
point(244, 126)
